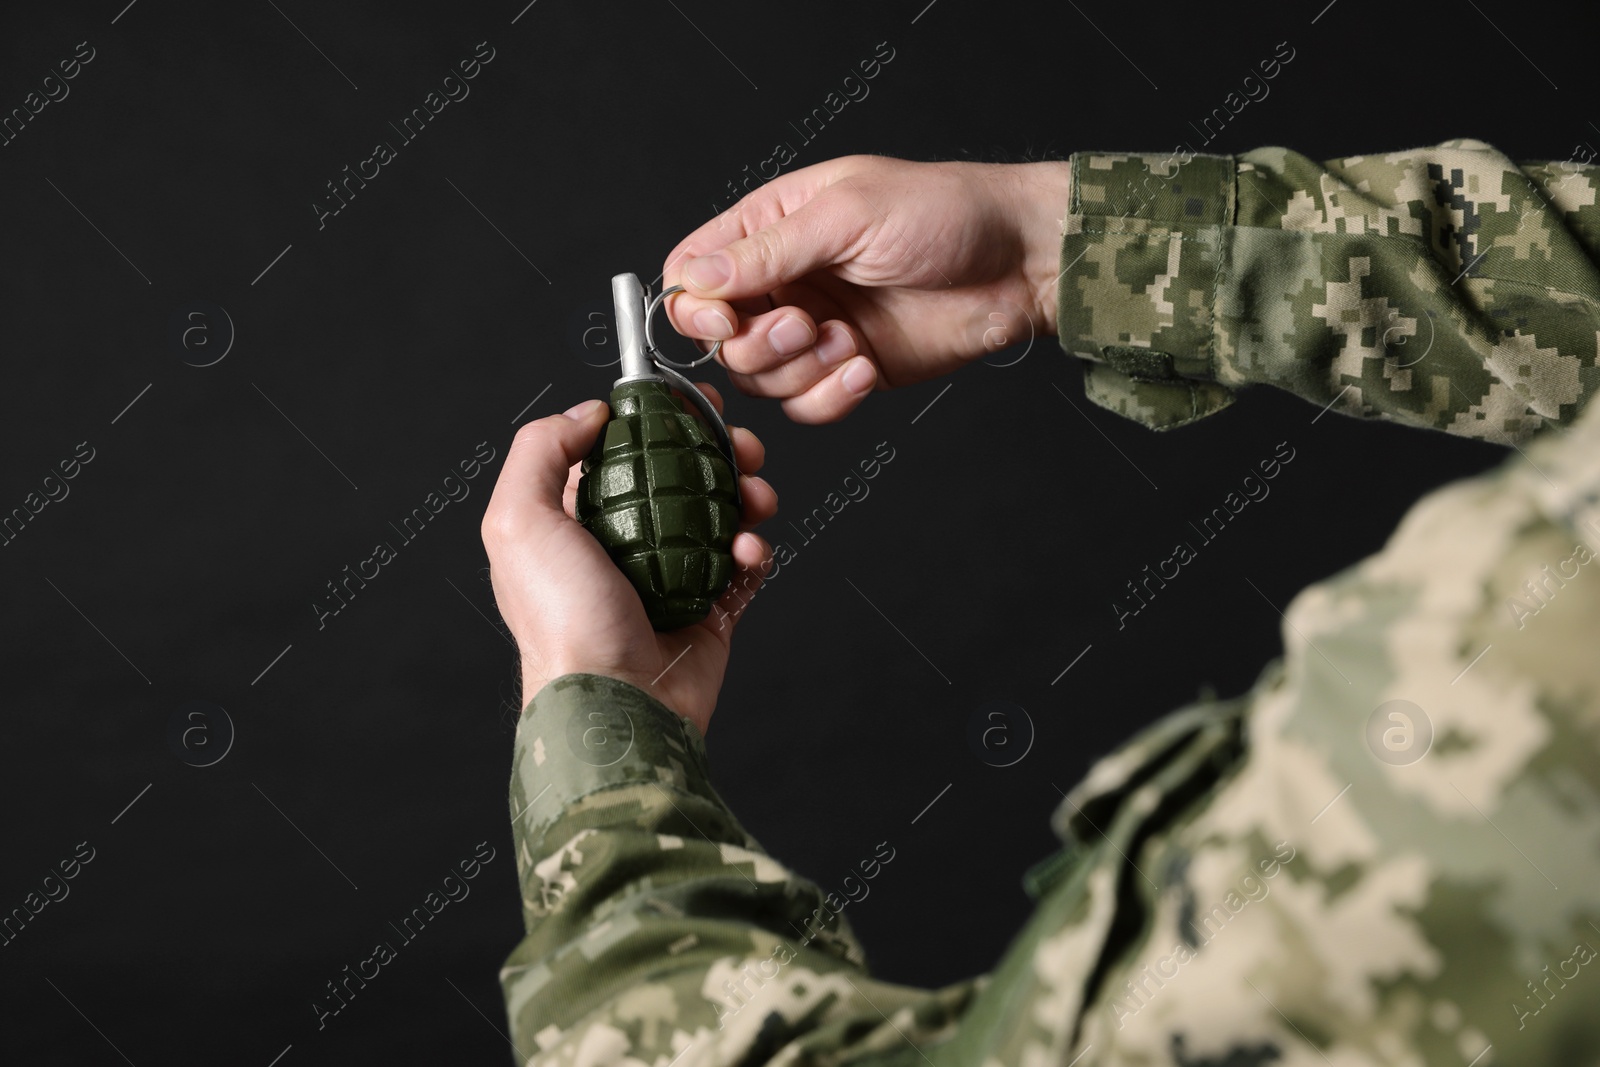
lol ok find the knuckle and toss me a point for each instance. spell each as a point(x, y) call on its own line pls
point(529, 435)
point(748, 384)
point(742, 359)
point(495, 527)
point(502, 527)
point(768, 247)
point(815, 411)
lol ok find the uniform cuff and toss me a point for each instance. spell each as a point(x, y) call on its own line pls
point(583, 735)
point(1141, 257)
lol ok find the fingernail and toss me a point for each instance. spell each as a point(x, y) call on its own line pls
point(834, 346)
point(708, 272)
point(859, 376)
point(579, 412)
point(789, 336)
point(709, 322)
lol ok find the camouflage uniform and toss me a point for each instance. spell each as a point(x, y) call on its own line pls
point(1388, 852)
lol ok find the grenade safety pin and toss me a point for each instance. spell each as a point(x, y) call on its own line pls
point(660, 491)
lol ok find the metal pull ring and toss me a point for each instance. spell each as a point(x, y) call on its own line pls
point(650, 340)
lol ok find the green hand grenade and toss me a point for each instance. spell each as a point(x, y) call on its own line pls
point(659, 491)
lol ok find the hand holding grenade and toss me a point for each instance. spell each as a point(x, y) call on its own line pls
point(660, 490)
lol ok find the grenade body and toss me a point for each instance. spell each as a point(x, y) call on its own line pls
point(659, 494)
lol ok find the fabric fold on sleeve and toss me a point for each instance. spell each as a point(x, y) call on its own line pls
point(1444, 287)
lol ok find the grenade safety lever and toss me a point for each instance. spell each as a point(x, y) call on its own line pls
point(660, 490)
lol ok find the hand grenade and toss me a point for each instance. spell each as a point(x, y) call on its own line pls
point(660, 490)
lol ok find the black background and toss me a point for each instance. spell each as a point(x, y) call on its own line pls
point(443, 302)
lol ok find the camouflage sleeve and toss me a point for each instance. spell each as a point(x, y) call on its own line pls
point(658, 931)
point(1445, 287)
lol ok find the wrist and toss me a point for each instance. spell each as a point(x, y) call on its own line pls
point(1041, 194)
point(533, 683)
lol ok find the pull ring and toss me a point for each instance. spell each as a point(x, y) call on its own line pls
point(650, 340)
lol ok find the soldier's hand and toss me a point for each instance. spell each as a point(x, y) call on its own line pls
point(866, 272)
point(569, 607)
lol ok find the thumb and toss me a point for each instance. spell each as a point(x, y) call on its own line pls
point(537, 463)
point(820, 234)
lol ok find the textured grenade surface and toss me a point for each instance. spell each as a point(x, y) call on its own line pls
point(659, 495)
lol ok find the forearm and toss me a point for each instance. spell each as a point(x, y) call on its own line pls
point(1444, 287)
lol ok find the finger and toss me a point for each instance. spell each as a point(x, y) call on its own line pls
point(790, 227)
point(763, 341)
point(756, 210)
point(753, 562)
point(747, 308)
point(751, 552)
point(713, 320)
point(820, 234)
point(715, 315)
point(747, 449)
point(702, 318)
point(836, 343)
point(708, 320)
point(750, 307)
point(760, 501)
point(712, 393)
point(569, 495)
point(538, 468)
point(835, 396)
point(767, 340)
point(693, 315)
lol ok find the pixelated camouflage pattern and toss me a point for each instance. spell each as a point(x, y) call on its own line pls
point(1159, 405)
point(645, 901)
point(1244, 883)
point(1445, 287)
